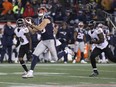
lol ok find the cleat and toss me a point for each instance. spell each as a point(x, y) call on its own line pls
point(74, 61)
point(24, 73)
point(99, 61)
point(65, 62)
point(94, 74)
point(83, 62)
point(28, 75)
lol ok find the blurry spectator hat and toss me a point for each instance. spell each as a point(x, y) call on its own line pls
point(72, 22)
point(80, 12)
point(68, 11)
point(76, 21)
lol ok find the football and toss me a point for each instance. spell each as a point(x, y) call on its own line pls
point(29, 19)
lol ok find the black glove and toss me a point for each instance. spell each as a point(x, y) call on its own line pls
point(29, 55)
point(30, 52)
point(92, 41)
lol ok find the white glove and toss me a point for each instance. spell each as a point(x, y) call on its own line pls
point(28, 21)
point(14, 41)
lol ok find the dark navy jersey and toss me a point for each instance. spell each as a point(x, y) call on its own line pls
point(8, 35)
point(47, 33)
point(63, 35)
point(80, 35)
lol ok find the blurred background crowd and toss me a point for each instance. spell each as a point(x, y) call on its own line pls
point(60, 10)
point(63, 12)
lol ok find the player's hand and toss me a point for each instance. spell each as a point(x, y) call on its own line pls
point(28, 21)
point(30, 52)
point(92, 41)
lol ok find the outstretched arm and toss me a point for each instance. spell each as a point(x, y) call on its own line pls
point(39, 27)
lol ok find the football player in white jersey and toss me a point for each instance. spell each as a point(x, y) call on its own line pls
point(98, 37)
point(102, 56)
point(22, 33)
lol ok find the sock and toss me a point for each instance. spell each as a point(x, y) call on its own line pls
point(23, 65)
point(75, 56)
point(65, 57)
point(82, 56)
point(35, 59)
point(95, 70)
point(61, 54)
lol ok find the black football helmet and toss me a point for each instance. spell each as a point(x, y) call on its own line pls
point(20, 22)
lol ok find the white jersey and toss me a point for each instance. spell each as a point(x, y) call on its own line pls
point(94, 35)
point(20, 33)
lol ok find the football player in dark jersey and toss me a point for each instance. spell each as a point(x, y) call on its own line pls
point(47, 38)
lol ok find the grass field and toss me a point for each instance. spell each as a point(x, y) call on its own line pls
point(58, 75)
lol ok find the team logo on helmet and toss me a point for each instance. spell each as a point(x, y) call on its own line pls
point(20, 22)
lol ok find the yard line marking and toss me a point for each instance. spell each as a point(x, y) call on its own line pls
point(93, 77)
point(3, 74)
point(54, 64)
point(73, 69)
point(42, 73)
point(11, 84)
point(56, 74)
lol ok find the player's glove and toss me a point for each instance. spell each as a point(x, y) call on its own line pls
point(92, 41)
point(30, 52)
point(28, 21)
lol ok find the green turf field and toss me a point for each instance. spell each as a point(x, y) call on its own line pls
point(58, 75)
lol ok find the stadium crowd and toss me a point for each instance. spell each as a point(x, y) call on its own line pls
point(66, 16)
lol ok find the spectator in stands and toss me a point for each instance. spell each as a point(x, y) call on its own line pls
point(58, 12)
point(44, 3)
point(1, 7)
point(81, 16)
point(35, 6)
point(6, 7)
point(68, 16)
point(21, 2)
point(18, 10)
point(7, 41)
point(28, 11)
point(8, 16)
point(107, 5)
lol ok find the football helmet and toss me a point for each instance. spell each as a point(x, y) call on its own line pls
point(42, 12)
point(100, 25)
point(81, 25)
point(20, 22)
